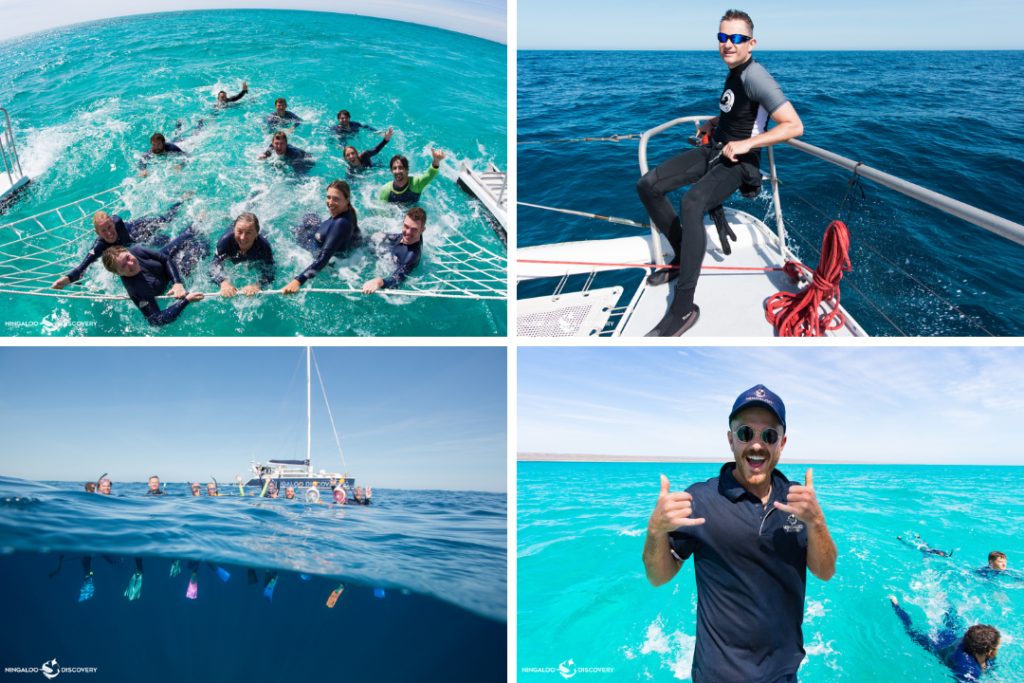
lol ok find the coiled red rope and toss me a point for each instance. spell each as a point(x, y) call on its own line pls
point(797, 315)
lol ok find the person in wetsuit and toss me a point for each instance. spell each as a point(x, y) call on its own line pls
point(404, 250)
point(346, 126)
point(359, 498)
point(406, 190)
point(918, 544)
point(358, 161)
point(997, 567)
point(146, 273)
point(281, 148)
point(330, 236)
point(280, 116)
point(223, 100)
point(111, 230)
point(967, 656)
point(196, 488)
point(730, 160)
point(243, 243)
point(159, 147)
point(154, 487)
point(104, 486)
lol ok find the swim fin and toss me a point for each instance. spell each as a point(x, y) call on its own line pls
point(192, 587)
point(175, 568)
point(378, 592)
point(305, 577)
point(334, 596)
point(724, 230)
point(88, 589)
point(134, 587)
point(224, 576)
point(252, 576)
point(268, 592)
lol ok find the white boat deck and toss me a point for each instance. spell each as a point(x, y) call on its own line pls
point(6, 187)
point(490, 187)
point(731, 301)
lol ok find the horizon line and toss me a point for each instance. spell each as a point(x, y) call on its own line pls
point(573, 457)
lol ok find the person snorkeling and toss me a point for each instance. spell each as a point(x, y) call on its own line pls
point(918, 544)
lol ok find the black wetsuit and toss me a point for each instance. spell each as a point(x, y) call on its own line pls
point(275, 120)
point(330, 236)
point(159, 269)
point(158, 492)
point(364, 157)
point(947, 645)
point(291, 154)
point(169, 148)
point(352, 128)
point(749, 97)
point(233, 98)
point(228, 250)
point(407, 256)
point(140, 230)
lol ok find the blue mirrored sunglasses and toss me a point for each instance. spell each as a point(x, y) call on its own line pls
point(736, 38)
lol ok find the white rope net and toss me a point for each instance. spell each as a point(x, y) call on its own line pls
point(36, 251)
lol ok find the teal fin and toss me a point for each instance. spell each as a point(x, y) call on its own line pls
point(134, 586)
point(88, 589)
point(175, 568)
point(268, 592)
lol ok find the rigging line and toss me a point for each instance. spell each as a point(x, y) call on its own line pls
point(613, 138)
point(284, 400)
point(610, 219)
point(891, 263)
point(317, 366)
point(211, 295)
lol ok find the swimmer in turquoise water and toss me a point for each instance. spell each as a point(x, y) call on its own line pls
point(330, 236)
point(280, 116)
point(282, 150)
point(967, 656)
point(159, 147)
point(223, 100)
point(111, 230)
point(406, 190)
point(403, 250)
point(146, 273)
point(997, 567)
point(243, 243)
point(358, 161)
point(346, 126)
point(918, 544)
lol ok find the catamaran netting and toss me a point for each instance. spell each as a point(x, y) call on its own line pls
point(36, 251)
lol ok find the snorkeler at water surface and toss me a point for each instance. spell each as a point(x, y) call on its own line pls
point(332, 235)
point(281, 115)
point(223, 100)
point(346, 126)
point(280, 147)
point(160, 147)
point(918, 544)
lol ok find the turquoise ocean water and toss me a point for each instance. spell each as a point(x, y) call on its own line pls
point(582, 593)
point(85, 99)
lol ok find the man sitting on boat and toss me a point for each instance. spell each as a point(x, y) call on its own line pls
point(406, 190)
point(146, 273)
point(111, 230)
point(243, 243)
point(404, 250)
point(730, 158)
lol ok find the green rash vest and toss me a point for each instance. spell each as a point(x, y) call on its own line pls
point(412, 191)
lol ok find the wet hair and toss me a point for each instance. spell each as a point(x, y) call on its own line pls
point(280, 99)
point(735, 14)
point(247, 218)
point(347, 148)
point(109, 255)
point(99, 216)
point(279, 135)
point(996, 555)
point(157, 137)
point(399, 158)
point(90, 487)
point(345, 112)
point(222, 92)
point(343, 187)
point(155, 477)
point(981, 639)
point(417, 214)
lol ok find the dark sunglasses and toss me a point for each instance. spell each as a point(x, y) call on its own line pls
point(736, 38)
point(769, 436)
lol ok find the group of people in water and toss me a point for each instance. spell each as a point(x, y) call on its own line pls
point(104, 486)
point(150, 264)
point(967, 653)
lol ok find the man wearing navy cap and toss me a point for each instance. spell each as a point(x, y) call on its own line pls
point(756, 536)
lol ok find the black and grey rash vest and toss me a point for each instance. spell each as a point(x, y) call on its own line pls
point(749, 97)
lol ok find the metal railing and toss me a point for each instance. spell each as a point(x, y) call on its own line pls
point(9, 152)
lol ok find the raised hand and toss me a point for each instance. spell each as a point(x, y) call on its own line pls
point(672, 511)
point(438, 155)
point(387, 135)
point(803, 502)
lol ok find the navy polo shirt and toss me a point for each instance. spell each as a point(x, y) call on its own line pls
point(751, 568)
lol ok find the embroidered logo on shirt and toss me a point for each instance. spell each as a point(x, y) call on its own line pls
point(794, 526)
point(727, 100)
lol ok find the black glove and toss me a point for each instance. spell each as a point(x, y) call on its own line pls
point(718, 215)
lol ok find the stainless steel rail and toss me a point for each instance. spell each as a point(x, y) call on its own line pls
point(9, 152)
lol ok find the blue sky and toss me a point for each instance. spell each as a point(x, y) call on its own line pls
point(922, 405)
point(407, 417)
point(778, 25)
point(482, 18)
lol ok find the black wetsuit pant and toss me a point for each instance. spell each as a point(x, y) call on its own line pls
point(714, 179)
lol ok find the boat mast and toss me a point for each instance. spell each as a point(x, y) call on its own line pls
point(308, 412)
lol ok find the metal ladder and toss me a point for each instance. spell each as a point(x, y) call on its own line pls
point(12, 164)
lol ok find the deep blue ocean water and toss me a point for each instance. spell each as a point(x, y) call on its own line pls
point(437, 558)
point(85, 99)
point(952, 122)
point(582, 593)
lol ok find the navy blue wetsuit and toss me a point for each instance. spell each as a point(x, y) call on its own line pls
point(159, 270)
point(330, 236)
point(989, 573)
point(169, 148)
point(352, 128)
point(291, 154)
point(364, 157)
point(405, 255)
point(947, 645)
point(140, 230)
point(276, 121)
point(228, 250)
point(918, 544)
